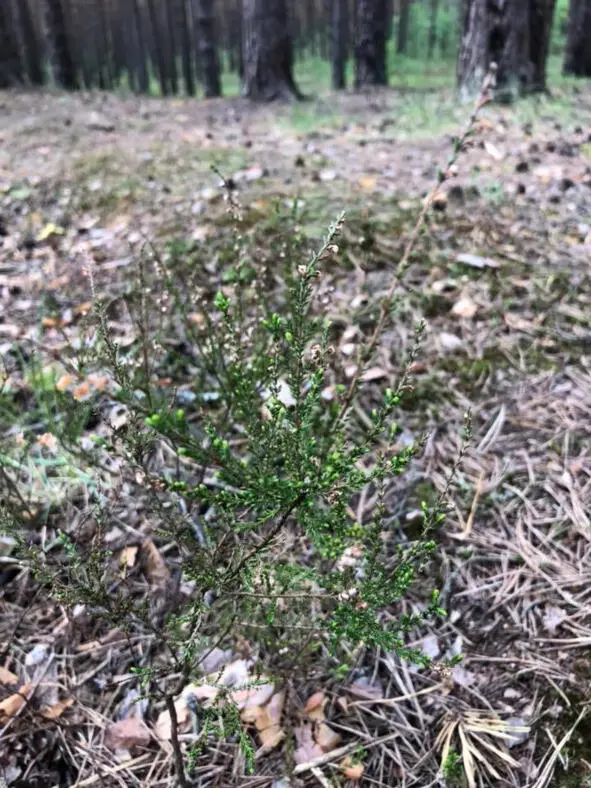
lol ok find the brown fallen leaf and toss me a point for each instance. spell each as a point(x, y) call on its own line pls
point(163, 727)
point(464, 307)
point(11, 705)
point(314, 708)
point(352, 770)
point(253, 697)
point(518, 323)
point(268, 722)
point(128, 556)
point(196, 318)
point(373, 373)
point(325, 737)
point(363, 688)
point(7, 676)
point(66, 382)
point(127, 733)
point(307, 748)
point(57, 709)
point(153, 564)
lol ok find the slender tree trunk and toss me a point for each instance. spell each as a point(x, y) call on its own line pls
point(64, 69)
point(403, 25)
point(32, 46)
point(542, 17)
point(159, 53)
point(577, 60)
point(432, 40)
point(170, 34)
point(141, 66)
point(339, 42)
point(233, 29)
point(187, 40)
point(205, 33)
point(370, 43)
point(514, 34)
point(267, 51)
point(11, 65)
point(109, 46)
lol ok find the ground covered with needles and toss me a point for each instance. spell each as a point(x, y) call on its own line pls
point(500, 274)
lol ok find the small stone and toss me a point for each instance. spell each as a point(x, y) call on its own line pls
point(327, 175)
point(450, 342)
point(99, 122)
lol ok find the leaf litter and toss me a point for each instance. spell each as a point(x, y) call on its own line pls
point(520, 594)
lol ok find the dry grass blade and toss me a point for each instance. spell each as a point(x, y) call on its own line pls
point(473, 730)
point(548, 771)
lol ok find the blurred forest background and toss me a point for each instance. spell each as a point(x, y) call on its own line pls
point(202, 47)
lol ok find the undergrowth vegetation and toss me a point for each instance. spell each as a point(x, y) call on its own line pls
point(224, 413)
point(247, 458)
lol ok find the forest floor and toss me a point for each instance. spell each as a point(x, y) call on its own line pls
point(501, 275)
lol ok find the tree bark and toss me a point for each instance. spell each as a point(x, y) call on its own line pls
point(64, 69)
point(577, 60)
point(158, 53)
point(515, 35)
point(187, 46)
point(11, 65)
point(32, 47)
point(370, 43)
point(141, 66)
point(171, 45)
point(205, 34)
point(542, 16)
point(403, 25)
point(267, 52)
point(339, 42)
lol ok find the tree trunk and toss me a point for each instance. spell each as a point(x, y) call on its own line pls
point(205, 34)
point(432, 39)
point(64, 69)
point(339, 42)
point(514, 34)
point(370, 43)
point(11, 66)
point(577, 60)
point(171, 44)
point(141, 67)
point(542, 16)
point(267, 52)
point(32, 47)
point(187, 44)
point(233, 28)
point(159, 55)
point(403, 25)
